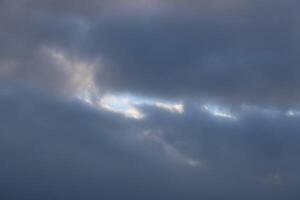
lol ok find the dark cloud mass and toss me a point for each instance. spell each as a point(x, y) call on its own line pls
point(57, 149)
point(122, 99)
point(243, 51)
point(250, 57)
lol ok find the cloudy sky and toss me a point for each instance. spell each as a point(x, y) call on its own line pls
point(149, 99)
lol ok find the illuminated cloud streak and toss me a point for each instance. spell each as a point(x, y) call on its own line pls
point(149, 99)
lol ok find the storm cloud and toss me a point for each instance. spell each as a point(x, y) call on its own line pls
point(63, 149)
point(231, 50)
point(148, 99)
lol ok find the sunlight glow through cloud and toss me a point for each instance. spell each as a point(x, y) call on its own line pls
point(121, 105)
point(128, 105)
point(293, 113)
point(85, 89)
point(177, 107)
point(219, 112)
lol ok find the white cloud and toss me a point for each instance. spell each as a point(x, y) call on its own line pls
point(121, 105)
point(172, 107)
point(128, 105)
point(219, 112)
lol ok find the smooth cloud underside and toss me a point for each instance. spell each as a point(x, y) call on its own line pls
point(59, 149)
point(111, 99)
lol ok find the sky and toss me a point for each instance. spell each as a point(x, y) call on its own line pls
point(149, 99)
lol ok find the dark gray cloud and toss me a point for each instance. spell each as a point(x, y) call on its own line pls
point(248, 57)
point(55, 149)
point(229, 50)
point(60, 149)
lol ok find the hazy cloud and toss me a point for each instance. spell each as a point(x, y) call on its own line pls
point(242, 52)
point(61, 149)
point(123, 99)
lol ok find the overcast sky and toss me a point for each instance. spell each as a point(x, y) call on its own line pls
point(149, 99)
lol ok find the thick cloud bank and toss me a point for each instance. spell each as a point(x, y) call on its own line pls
point(61, 149)
point(238, 51)
point(121, 99)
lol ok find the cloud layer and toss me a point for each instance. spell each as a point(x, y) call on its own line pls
point(123, 99)
point(60, 149)
point(223, 50)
